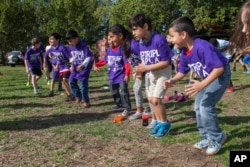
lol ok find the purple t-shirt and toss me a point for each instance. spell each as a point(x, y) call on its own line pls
point(32, 56)
point(116, 65)
point(203, 58)
point(60, 54)
point(134, 58)
point(78, 54)
point(155, 50)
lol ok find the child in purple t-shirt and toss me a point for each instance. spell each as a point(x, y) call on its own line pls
point(33, 62)
point(118, 66)
point(59, 55)
point(156, 57)
point(205, 60)
point(81, 60)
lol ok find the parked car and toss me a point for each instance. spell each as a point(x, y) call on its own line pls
point(14, 58)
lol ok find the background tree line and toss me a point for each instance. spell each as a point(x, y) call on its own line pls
point(20, 20)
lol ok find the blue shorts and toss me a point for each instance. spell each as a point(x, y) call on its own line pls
point(36, 71)
point(246, 59)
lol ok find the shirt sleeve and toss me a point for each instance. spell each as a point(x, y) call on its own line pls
point(127, 69)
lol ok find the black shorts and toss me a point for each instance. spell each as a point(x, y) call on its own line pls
point(36, 71)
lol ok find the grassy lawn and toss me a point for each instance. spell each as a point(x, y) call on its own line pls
point(36, 130)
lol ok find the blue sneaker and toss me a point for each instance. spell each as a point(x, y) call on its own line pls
point(154, 129)
point(201, 144)
point(164, 128)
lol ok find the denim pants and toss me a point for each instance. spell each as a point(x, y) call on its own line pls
point(121, 95)
point(138, 91)
point(82, 92)
point(205, 101)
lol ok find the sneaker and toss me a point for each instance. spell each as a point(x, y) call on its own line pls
point(70, 98)
point(135, 116)
point(230, 88)
point(86, 105)
point(213, 148)
point(125, 113)
point(201, 144)
point(164, 128)
point(38, 86)
point(151, 125)
point(154, 129)
point(35, 92)
point(51, 93)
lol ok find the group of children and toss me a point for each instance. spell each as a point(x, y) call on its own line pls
point(150, 56)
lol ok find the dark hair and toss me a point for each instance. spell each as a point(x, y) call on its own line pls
point(139, 19)
point(214, 42)
point(127, 37)
point(35, 40)
point(56, 35)
point(70, 34)
point(183, 24)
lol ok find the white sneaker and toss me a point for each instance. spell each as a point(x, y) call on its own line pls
point(151, 125)
point(125, 113)
point(136, 115)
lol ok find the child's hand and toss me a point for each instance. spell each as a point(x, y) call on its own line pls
point(96, 69)
point(126, 79)
point(141, 68)
point(168, 83)
point(79, 68)
point(27, 70)
point(193, 88)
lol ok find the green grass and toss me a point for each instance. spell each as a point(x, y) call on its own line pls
point(38, 130)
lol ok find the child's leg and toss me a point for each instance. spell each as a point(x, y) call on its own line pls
point(137, 87)
point(85, 94)
point(159, 109)
point(33, 80)
point(65, 84)
point(114, 89)
point(208, 118)
point(75, 89)
point(125, 98)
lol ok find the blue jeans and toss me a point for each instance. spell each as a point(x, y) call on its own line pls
point(121, 95)
point(204, 106)
point(83, 92)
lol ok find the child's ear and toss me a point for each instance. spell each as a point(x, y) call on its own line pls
point(184, 34)
point(145, 26)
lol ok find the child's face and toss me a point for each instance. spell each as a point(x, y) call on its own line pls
point(115, 40)
point(73, 41)
point(53, 41)
point(245, 22)
point(139, 32)
point(176, 38)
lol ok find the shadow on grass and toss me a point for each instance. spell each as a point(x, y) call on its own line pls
point(14, 97)
point(241, 87)
point(44, 122)
point(26, 105)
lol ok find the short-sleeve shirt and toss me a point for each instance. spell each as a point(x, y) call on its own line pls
point(60, 54)
point(203, 58)
point(78, 54)
point(116, 64)
point(32, 56)
point(155, 50)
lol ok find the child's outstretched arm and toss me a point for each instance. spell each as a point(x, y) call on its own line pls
point(99, 64)
point(170, 82)
point(197, 86)
point(152, 67)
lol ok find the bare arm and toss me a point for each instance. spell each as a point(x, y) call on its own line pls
point(197, 86)
point(152, 67)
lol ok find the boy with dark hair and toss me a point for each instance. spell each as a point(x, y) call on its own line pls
point(155, 55)
point(33, 62)
point(205, 60)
